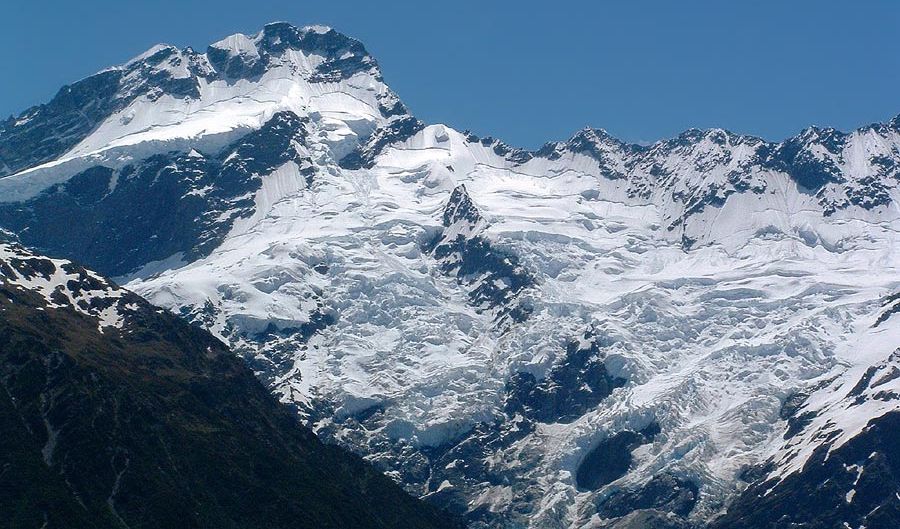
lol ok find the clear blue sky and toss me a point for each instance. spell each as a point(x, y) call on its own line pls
point(525, 71)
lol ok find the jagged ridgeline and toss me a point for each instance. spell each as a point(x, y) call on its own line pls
point(698, 332)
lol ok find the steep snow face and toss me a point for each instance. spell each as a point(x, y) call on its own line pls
point(543, 339)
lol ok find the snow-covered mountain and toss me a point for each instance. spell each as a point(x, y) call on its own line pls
point(116, 413)
point(591, 334)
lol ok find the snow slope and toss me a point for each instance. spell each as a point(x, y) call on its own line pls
point(63, 284)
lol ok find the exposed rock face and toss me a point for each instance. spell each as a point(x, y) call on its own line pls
point(611, 459)
point(493, 276)
point(855, 485)
point(167, 204)
point(573, 387)
point(663, 493)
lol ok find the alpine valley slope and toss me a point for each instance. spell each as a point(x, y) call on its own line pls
point(594, 334)
point(116, 413)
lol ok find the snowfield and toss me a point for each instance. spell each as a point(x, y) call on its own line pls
point(712, 340)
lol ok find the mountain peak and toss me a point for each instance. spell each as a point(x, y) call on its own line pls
point(895, 123)
point(284, 25)
point(460, 208)
point(151, 52)
point(594, 136)
point(243, 56)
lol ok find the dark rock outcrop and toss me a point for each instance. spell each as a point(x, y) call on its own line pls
point(158, 207)
point(854, 485)
point(573, 387)
point(611, 458)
